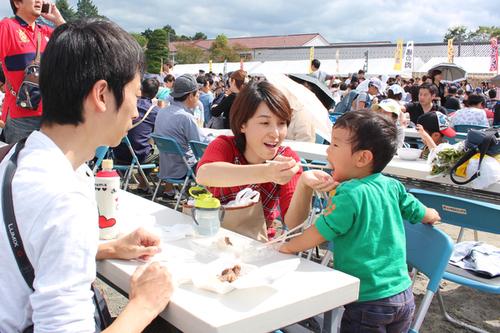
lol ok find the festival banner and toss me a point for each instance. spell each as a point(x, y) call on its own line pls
point(224, 69)
point(337, 60)
point(451, 50)
point(408, 58)
point(210, 65)
point(311, 57)
point(365, 66)
point(494, 55)
point(241, 63)
point(398, 55)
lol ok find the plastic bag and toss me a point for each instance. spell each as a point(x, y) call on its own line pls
point(489, 173)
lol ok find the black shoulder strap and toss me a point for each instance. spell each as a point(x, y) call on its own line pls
point(10, 222)
point(102, 315)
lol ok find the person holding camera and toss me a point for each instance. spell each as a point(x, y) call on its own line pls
point(22, 42)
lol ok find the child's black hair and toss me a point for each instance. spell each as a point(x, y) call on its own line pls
point(371, 131)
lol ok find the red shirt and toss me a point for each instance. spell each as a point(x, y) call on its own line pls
point(274, 197)
point(17, 50)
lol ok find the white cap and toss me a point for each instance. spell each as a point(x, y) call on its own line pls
point(396, 89)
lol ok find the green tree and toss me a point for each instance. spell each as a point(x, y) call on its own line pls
point(190, 54)
point(182, 38)
point(171, 35)
point(66, 10)
point(459, 33)
point(220, 50)
point(147, 33)
point(199, 35)
point(143, 41)
point(86, 8)
point(484, 33)
point(156, 51)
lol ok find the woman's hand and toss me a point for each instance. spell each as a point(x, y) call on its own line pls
point(282, 169)
point(319, 180)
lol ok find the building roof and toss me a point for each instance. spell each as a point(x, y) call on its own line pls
point(257, 42)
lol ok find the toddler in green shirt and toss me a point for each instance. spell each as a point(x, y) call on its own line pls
point(364, 218)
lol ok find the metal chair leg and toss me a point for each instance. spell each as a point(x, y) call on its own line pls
point(326, 258)
point(156, 190)
point(453, 320)
point(460, 234)
point(422, 311)
point(181, 192)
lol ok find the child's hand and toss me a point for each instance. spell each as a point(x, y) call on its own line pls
point(319, 180)
point(431, 216)
point(285, 248)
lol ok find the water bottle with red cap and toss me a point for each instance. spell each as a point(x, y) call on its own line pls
point(107, 186)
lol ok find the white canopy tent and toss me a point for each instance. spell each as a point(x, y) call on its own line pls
point(216, 67)
point(377, 66)
point(472, 65)
point(281, 67)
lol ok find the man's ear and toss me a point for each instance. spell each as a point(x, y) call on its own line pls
point(363, 158)
point(99, 95)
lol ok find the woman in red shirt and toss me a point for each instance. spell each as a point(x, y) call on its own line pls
point(260, 116)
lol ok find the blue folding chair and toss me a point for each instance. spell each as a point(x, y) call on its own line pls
point(100, 154)
point(170, 146)
point(198, 148)
point(134, 164)
point(466, 128)
point(428, 250)
point(470, 214)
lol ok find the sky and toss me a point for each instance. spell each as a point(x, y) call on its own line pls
point(336, 20)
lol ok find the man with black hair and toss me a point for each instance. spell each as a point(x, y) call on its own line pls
point(452, 102)
point(320, 75)
point(18, 48)
point(89, 79)
point(492, 100)
point(426, 94)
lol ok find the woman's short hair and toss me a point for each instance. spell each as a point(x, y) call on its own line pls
point(247, 102)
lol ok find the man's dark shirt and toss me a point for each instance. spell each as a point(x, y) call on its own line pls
point(139, 135)
point(415, 110)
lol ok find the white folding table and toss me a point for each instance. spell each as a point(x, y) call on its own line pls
point(310, 290)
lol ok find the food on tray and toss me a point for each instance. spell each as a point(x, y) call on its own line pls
point(230, 274)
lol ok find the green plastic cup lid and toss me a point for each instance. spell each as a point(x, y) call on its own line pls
point(207, 203)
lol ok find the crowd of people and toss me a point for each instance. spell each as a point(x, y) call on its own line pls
point(107, 98)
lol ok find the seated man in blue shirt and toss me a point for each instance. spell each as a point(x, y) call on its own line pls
point(177, 122)
point(141, 131)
